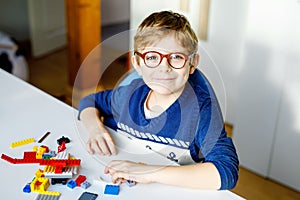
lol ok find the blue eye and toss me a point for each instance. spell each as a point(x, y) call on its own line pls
point(152, 57)
point(176, 57)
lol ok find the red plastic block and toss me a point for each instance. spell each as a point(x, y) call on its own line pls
point(80, 179)
point(46, 148)
point(73, 162)
point(60, 163)
point(8, 159)
point(58, 170)
point(29, 158)
point(29, 154)
point(27, 161)
point(61, 147)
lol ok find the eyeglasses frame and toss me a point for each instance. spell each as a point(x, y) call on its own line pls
point(162, 56)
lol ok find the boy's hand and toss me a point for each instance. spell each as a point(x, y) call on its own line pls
point(121, 170)
point(102, 143)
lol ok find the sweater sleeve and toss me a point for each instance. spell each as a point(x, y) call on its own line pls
point(215, 146)
point(100, 101)
point(211, 143)
point(225, 159)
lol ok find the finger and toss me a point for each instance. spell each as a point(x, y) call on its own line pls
point(109, 170)
point(89, 147)
point(106, 170)
point(104, 147)
point(97, 148)
point(119, 176)
point(111, 145)
point(111, 166)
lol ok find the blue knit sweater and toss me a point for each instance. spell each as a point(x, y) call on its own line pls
point(193, 122)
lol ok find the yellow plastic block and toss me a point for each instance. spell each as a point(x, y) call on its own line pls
point(35, 148)
point(40, 152)
point(50, 193)
point(49, 168)
point(42, 186)
point(39, 173)
point(22, 142)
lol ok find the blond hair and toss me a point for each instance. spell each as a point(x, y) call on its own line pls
point(160, 24)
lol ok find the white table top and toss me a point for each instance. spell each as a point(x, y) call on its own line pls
point(26, 112)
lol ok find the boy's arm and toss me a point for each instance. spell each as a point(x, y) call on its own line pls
point(197, 176)
point(89, 108)
point(100, 139)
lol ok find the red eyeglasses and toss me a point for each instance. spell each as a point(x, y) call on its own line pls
point(153, 58)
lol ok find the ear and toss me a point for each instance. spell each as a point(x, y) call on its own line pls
point(194, 63)
point(136, 65)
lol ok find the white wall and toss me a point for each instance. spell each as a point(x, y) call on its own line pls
point(227, 23)
point(268, 104)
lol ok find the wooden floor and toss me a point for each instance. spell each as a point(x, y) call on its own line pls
point(50, 74)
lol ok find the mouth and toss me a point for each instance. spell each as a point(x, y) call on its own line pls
point(164, 79)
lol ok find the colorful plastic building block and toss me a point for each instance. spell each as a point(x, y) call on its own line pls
point(130, 183)
point(39, 173)
point(22, 142)
point(8, 159)
point(61, 163)
point(71, 184)
point(64, 155)
point(41, 151)
point(63, 139)
point(27, 188)
point(112, 189)
point(29, 155)
point(61, 147)
point(52, 153)
point(35, 148)
point(50, 172)
point(46, 156)
point(80, 179)
point(44, 137)
point(29, 158)
point(88, 196)
point(85, 185)
point(19, 161)
point(39, 184)
point(48, 195)
point(60, 168)
point(59, 181)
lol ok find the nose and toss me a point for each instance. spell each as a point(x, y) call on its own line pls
point(164, 65)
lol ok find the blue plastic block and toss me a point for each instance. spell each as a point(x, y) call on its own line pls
point(88, 196)
point(71, 184)
point(130, 183)
point(27, 188)
point(112, 189)
point(85, 185)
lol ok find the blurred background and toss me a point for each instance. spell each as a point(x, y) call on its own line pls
point(251, 55)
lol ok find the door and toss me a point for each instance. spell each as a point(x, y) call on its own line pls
point(47, 26)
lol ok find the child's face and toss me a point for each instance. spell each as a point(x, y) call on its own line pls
point(164, 79)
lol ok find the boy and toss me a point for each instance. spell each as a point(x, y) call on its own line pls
point(171, 109)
